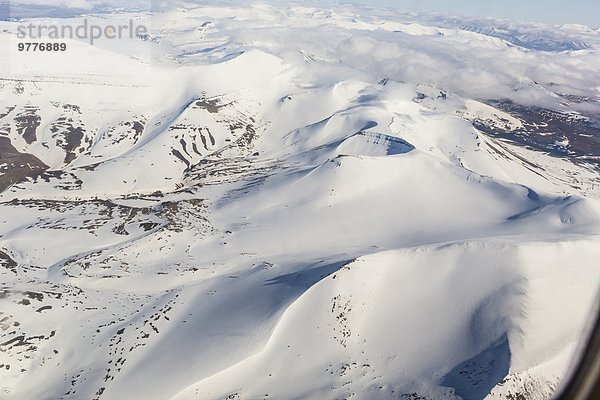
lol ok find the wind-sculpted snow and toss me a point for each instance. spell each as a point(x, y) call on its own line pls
point(296, 202)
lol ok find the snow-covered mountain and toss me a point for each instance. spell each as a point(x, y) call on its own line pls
point(529, 40)
point(293, 202)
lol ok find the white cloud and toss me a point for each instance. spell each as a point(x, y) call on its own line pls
point(375, 44)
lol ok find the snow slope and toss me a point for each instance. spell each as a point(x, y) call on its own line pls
point(291, 202)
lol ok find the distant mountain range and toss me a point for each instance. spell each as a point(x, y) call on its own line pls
point(528, 40)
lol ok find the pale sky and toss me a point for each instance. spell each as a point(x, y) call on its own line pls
point(549, 11)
